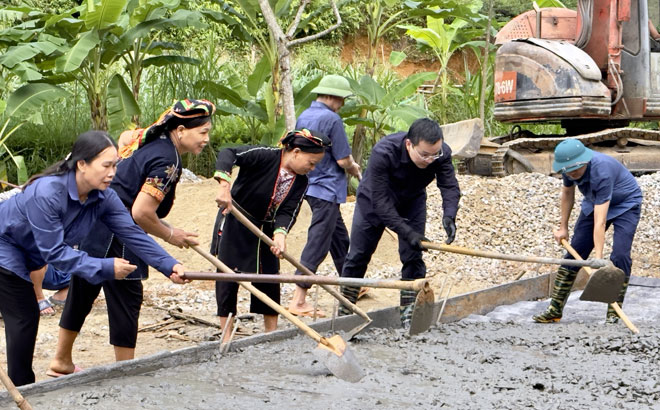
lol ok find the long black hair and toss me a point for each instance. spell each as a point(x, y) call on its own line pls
point(88, 146)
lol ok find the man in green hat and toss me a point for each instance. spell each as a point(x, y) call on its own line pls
point(327, 185)
point(611, 198)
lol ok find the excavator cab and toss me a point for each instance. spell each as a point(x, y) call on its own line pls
point(593, 70)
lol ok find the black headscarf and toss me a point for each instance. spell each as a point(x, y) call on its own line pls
point(306, 140)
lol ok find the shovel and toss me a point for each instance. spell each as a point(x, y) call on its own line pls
point(21, 403)
point(333, 351)
point(262, 236)
point(603, 286)
point(422, 317)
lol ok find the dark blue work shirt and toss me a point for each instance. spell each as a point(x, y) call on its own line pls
point(606, 179)
point(42, 224)
point(393, 183)
point(328, 180)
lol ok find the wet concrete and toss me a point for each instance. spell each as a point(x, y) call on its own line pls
point(501, 360)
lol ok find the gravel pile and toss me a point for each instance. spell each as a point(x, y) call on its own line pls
point(516, 215)
point(189, 176)
point(512, 215)
point(8, 194)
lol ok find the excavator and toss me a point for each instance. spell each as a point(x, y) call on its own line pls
point(594, 70)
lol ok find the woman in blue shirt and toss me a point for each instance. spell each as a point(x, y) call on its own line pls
point(46, 222)
point(147, 175)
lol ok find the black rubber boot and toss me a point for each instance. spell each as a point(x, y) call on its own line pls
point(560, 292)
point(406, 306)
point(612, 316)
point(350, 293)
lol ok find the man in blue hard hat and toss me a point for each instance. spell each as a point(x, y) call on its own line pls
point(327, 185)
point(611, 198)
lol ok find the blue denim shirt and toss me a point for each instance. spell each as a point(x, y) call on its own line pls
point(42, 225)
point(606, 179)
point(328, 180)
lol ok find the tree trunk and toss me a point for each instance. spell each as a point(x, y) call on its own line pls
point(286, 87)
point(484, 66)
point(284, 83)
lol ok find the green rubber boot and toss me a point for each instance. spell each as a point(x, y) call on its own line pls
point(350, 293)
point(406, 306)
point(612, 316)
point(560, 292)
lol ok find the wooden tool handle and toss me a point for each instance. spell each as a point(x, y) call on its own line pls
point(574, 254)
point(13, 391)
point(262, 296)
point(624, 317)
point(613, 305)
point(417, 284)
point(255, 229)
point(517, 258)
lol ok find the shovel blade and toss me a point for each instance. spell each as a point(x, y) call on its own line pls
point(422, 317)
point(604, 285)
point(339, 359)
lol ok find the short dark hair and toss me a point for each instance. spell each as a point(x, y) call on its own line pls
point(424, 129)
point(88, 146)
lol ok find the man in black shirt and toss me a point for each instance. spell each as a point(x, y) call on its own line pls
point(393, 194)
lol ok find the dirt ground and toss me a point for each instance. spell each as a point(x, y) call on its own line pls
point(195, 210)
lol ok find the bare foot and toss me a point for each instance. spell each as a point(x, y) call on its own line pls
point(58, 366)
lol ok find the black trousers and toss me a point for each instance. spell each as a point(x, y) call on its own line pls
point(326, 233)
point(365, 237)
point(20, 313)
point(123, 299)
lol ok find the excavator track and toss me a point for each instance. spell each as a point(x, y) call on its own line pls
point(621, 135)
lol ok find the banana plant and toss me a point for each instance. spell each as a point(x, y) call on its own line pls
point(444, 39)
point(23, 106)
point(389, 108)
point(250, 102)
point(91, 43)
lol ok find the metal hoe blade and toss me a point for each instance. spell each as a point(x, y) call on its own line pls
point(604, 285)
point(341, 363)
point(357, 329)
point(422, 317)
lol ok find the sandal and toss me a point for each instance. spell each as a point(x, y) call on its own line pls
point(53, 373)
point(363, 292)
point(43, 306)
point(56, 302)
point(307, 313)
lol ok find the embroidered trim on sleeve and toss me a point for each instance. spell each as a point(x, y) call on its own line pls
point(154, 187)
point(221, 175)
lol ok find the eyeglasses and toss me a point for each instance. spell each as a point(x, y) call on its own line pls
point(427, 157)
point(577, 166)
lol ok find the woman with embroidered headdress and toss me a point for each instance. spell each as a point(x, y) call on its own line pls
point(147, 174)
point(269, 190)
point(44, 224)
